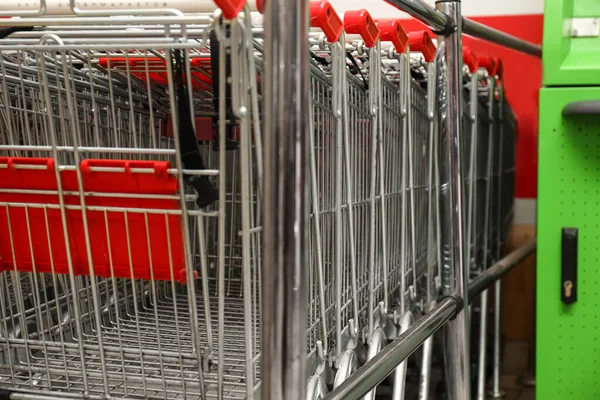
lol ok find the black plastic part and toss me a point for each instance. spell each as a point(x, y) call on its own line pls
point(577, 108)
point(5, 394)
point(215, 49)
point(6, 31)
point(568, 284)
point(188, 145)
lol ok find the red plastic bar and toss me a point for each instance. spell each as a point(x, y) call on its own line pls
point(361, 23)
point(392, 31)
point(421, 41)
point(470, 59)
point(155, 68)
point(322, 15)
point(136, 237)
point(230, 8)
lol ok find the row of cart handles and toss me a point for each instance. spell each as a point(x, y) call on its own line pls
point(357, 22)
point(360, 22)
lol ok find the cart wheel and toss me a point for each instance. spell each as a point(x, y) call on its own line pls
point(316, 389)
point(348, 364)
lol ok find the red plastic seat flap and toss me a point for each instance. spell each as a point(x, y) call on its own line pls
point(132, 234)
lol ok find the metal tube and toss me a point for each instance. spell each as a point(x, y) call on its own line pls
point(424, 12)
point(498, 270)
point(444, 22)
point(481, 31)
point(120, 20)
point(496, 393)
point(59, 7)
point(380, 366)
point(481, 376)
point(284, 242)
point(456, 332)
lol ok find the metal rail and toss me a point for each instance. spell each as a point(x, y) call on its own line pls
point(424, 12)
point(376, 370)
point(442, 23)
point(498, 270)
point(484, 32)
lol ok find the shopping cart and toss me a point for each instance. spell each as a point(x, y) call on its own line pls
point(487, 207)
point(131, 212)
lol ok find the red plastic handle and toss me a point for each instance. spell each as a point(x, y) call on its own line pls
point(160, 167)
point(489, 63)
point(499, 68)
point(421, 41)
point(392, 31)
point(230, 8)
point(361, 23)
point(322, 15)
point(11, 162)
point(470, 59)
point(260, 6)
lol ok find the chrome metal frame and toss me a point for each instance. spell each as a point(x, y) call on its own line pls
point(284, 241)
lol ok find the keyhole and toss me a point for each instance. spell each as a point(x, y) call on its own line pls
point(568, 285)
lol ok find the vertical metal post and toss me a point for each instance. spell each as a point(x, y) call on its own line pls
point(456, 331)
point(487, 230)
point(496, 391)
point(284, 242)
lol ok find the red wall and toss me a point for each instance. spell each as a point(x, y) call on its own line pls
point(522, 80)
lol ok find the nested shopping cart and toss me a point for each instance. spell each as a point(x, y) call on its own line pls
point(131, 213)
point(488, 165)
point(359, 150)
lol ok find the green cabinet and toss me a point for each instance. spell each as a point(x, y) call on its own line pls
point(571, 51)
point(568, 336)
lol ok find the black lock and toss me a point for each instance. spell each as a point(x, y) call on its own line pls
point(568, 288)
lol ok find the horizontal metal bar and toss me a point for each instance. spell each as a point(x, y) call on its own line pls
point(441, 22)
point(498, 270)
point(189, 19)
point(481, 31)
point(39, 396)
point(383, 364)
point(424, 12)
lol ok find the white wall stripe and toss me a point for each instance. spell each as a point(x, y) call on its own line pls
point(381, 9)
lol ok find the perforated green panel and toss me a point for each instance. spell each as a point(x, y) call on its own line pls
point(568, 337)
